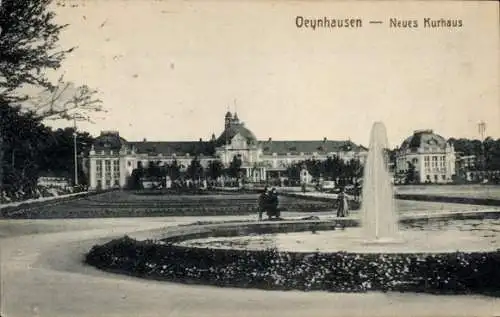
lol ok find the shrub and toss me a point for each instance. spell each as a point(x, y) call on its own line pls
point(337, 272)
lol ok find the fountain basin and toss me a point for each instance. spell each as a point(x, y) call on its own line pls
point(166, 258)
point(351, 240)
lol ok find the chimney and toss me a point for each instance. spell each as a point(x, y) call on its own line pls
point(144, 140)
point(324, 140)
point(270, 139)
point(201, 140)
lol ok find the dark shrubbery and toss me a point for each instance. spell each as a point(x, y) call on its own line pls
point(449, 199)
point(337, 272)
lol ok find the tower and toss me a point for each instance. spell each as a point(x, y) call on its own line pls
point(236, 120)
point(227, 120)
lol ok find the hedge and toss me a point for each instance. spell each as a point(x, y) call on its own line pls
point(457, 272)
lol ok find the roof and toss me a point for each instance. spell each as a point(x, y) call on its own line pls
point(174, 147)
point(233, 130)
point(297, 147)
point(423, 137)
point(109, 140)
point(112, 140)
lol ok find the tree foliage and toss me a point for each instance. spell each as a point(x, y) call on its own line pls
point(487, 153)
point(25, 139)
point(195, 169)
point(332, 168)
point(31, 149)
point(215, 169)
point(411, 176)
point(29, 48)
point(235, 167)
point(28, 45)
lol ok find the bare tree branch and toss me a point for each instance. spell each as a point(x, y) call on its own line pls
point(66, 101)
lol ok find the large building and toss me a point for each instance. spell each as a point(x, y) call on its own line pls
point(431, 155)
point(112, 158)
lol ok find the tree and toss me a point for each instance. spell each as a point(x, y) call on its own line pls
point(293, 171)
point(25, 143)
point(136, 177)
point(215, 169)
point(411, 174)
point(195, 170)
point(153, 172)
point(59, 153)
point(235, 167)
point(174, 170)
point(29, 46)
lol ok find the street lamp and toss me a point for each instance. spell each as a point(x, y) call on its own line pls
point(482, 129)
point(75, 151)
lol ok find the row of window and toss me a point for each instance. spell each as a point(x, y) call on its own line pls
point(435, 170)
point(435, 158)
point(108, 183)
point(108, 165)
point(436, 177)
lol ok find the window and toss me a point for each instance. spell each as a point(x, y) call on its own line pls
point(443, 177)
point(107, 169)
point(98, 168)
point(434, 163)
point(116, 169)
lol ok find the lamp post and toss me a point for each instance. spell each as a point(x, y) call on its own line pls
point(75, 151)
point(482, 129)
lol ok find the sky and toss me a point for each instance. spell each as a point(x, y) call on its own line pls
point(169, 70)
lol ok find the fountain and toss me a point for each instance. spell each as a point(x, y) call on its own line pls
point(379, 221)
point(379, 218)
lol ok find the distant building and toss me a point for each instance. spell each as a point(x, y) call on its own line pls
point(467, 162)
point(431, 155)
point(112, 158)
point(53, 180)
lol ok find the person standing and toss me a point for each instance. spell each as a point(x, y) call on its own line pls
point(357, 191)
point(274, 203)
point(263, 198)
point(342, 204)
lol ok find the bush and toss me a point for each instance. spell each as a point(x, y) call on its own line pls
point(337, 272)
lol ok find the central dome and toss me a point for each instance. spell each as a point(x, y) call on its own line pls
point(109, 140)
point(231, 131)
point(424, 138)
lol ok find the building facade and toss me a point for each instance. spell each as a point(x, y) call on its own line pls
point(112, 158)
point(432, 157)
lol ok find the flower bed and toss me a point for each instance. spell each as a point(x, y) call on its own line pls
point(337, 272)
point(450, 199)
point(126, 204)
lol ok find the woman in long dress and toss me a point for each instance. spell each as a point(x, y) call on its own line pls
point(342, 205)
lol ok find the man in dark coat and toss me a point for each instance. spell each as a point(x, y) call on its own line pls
point(274, 202)
point(263, 199)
